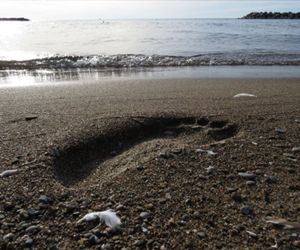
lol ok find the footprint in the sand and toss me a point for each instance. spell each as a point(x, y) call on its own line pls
point(76, 162)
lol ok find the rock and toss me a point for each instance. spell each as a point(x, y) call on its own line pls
point(201, 234)
point(15, 161)
point(24, 214)
point(31, 229)
point(185, 217)
point(250, 183)
point(202, 177)
point(43, 199)
point(29, 242)
point(2, 216)
point(197, 215)
point(9, 236)
point(269, 178)
point(235, 196)
point(139, 167)
point(33, 212)
point(247, 176)
point(246, 210)
point(296, 149)
point(272, 15)
point(144, 215)
point(280, 131)
point(296, 243)
point(259, 171)
point(120, 208)
point(31, 117)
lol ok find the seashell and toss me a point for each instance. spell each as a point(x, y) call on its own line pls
point(245, 95)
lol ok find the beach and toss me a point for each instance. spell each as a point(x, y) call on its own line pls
point(168, 155)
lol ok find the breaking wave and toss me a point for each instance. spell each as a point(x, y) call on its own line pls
point(132, 61)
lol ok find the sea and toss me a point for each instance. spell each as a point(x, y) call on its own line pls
point(39, 52)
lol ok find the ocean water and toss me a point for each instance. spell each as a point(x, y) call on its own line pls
point(147, 44)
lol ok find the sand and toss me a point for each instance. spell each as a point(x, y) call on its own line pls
point(131, 146)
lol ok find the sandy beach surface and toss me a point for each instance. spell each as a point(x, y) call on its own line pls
point(184, 163)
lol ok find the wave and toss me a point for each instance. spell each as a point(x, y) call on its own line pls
point(137, 60)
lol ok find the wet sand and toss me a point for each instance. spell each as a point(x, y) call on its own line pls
point(131, 146)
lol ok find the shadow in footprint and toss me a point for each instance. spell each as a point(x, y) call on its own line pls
point(77, 161)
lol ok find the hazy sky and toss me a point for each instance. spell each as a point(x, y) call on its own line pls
point(124, 9)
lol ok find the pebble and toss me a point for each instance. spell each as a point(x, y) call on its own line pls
point(201, 234)
point(43, 199)
point(120, 207)
point(2, 216)
point(31, 117)
point(32, 212)
point(252, 234)
point(259, 171)
point(139, 167)
point(270, 178)
point(144, 215)
point(29, 242)
point(8, 236)
point(197, 215)
point(247, 176)
point(296, 149)
point(246, 210)
point(235, 196)
point(202, 177)
point(281, 131)
point(250, 183)
point(31, 229)
point(200, 151)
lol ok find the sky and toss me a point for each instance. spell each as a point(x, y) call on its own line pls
point(40, 10)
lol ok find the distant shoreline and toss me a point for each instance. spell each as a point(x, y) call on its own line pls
point(14, 19)
point(272, 15)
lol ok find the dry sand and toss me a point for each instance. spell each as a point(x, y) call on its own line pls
point(131, 146)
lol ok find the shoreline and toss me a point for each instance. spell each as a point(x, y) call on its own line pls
point(131, 145)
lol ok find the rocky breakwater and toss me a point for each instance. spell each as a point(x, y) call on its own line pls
point(272, 15)
point(14, 19)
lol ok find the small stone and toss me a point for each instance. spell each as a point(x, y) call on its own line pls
point(2, 216)
point(144, 215)
point(185, 217)
point(197, 215)
point(8, 236)
point(120, 207)
point(296, 149)
point(33, 212)
point(43, 199)
point(296, 243)
point(31, 117)
point(107, 247)
point(259, 171)
point(31, 229)
point(281, 131)
point(202, 177)
point(139, 167)
point(232, 190)
point(169, 133)
point(235, 196)
point(269, 178)
point(288, 155)
point(250, 183)
point(29, 242)
point(15, 161)
point(246, 210)
point(247, 176)
point(24, 213)
point(201, 234)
